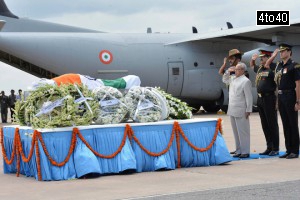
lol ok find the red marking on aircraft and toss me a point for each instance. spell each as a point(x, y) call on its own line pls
point(105, 57)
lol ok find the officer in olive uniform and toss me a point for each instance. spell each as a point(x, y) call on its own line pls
point(287, 78)
point(266, 101)
point(4, 106)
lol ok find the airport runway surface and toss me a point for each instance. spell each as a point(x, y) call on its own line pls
point(271, 178)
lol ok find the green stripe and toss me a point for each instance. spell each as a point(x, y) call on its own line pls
point(117, 83)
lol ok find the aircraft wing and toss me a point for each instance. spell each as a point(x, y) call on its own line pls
point(270, 35)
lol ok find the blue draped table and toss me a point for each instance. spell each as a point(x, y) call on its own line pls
point(106, 139)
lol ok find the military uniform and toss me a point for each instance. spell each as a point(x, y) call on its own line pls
point(266, 103)
point(285, 77)
point(4, 106)
point(12, 101)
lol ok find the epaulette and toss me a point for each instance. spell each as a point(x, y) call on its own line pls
point(297, 66)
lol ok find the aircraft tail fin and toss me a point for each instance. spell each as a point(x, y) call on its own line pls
point(15, 24)
point(4, 11)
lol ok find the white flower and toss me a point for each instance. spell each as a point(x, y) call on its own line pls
point(178, 109)
point(112, 109)
point(143, 105)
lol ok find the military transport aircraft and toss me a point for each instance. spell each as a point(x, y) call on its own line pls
point(185, 65)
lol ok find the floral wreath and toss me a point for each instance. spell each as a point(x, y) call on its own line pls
point(112, 107)
point(52, 106)
point(143, 105)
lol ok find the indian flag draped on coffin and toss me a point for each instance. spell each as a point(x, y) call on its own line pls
point(125, 82)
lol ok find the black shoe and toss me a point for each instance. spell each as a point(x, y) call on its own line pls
point(274, 153)
point(233, 152)
point(266, 152)
point(292, 155)
point(244, 156)
point(236, 155)
point(284, 155)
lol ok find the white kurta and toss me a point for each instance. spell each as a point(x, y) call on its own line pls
point(240, 102)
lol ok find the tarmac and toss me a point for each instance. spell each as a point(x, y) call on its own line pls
point(271, 178)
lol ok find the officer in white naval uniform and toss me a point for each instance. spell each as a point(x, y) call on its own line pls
point(239, 108)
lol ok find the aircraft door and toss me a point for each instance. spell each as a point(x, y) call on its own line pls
point(175, 78)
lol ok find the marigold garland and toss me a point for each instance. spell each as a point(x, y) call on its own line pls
point(101, 155)
point(132, 136)
point(211, 143)
point(26, 160)
point(71, 149)
point(38, 159)
point(221, 126)
point(176, 127)
point(37, 136)
point(8, 161)
point(18, 154)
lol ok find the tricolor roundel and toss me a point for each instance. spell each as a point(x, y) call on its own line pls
point(105, 56)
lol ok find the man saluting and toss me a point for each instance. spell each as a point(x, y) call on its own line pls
point(266, 101)
point(287, 77)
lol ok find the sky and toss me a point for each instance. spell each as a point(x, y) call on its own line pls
point(135, 16)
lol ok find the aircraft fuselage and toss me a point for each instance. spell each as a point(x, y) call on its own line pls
point(183, 70)
point(186, 70)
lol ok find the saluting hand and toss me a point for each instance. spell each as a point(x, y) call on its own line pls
point(254, 56)
point(275, 52)
point(225, 60)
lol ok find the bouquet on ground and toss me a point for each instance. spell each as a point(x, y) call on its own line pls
point(112, 106)
point(178, 109)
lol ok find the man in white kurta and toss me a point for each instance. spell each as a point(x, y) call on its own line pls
point(239, 108)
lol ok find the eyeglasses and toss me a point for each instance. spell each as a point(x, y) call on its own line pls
point(238, 69)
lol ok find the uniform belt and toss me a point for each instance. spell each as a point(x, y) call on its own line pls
point(285, 91)
point(265, 94)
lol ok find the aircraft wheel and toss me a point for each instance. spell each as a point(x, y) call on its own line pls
point(196, 108)
point(224, 108)
point(211, 108)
